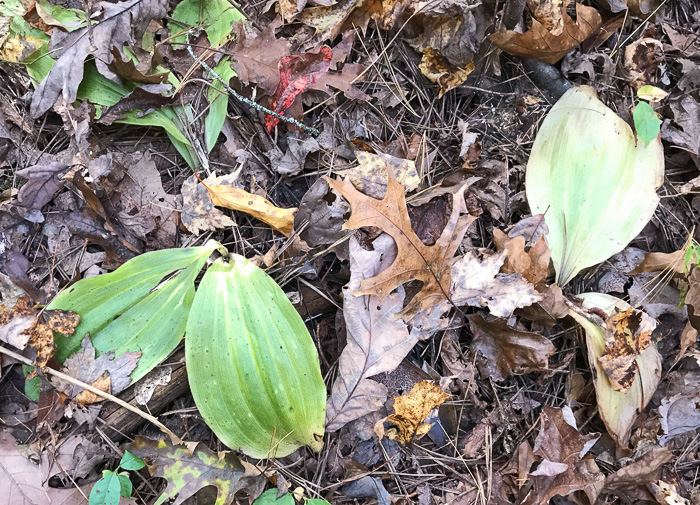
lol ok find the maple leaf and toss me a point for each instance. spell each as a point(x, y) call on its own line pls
point(415, 260)
point(187, 472)
point(627, 335)
point(297, 74)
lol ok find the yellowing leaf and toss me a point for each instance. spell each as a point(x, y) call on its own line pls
point(369, 176)
point(412, 409)
point(595, 182)
point(617, 409)
point(440, 71)
point(232, 198)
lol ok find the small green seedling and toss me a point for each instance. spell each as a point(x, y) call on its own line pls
point(115, 484)
point(646, 123)
point(269, 497)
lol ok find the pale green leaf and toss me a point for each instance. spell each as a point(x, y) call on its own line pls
point(646, 122)
point(618, 410)
point(140, 306)
point(651, 93)
point(593, 182)
point(253, 368)
point(125, 487)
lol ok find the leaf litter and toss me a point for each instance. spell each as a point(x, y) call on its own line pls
point(403, 234)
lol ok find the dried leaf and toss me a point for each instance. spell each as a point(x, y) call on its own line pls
point(198, 211)
point(478, 284)
point(627, 335)
point(541, 44)
point(43, 181)
point(532, 265)
point(376, 341)
point(370, 174)
point(298, 73)
point(186, 472)
point(504, 351)
point(256, 60)
point(415, 260)
point(321, 215)
point(122, 23)
point(683, 130)
point(25, 325)
point(658, 262)
point(643, 471)
point(679, 414)
point(105, 372)
point(412, 409)
point(564, 468)
point(260, 208)
point(440, 71)
point(642, 58)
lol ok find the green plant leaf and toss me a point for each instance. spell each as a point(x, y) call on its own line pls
point(218, 103)
point(107, 490)
point(316, 501)
point(252, 365)
point(31, 387)
point(143, 305)
point(617, 409)
point(125, 486)
point(187, 473)
point(131, 462)
point(593, 182)
point(646, 123)
point(269, 497)
point(216, 16)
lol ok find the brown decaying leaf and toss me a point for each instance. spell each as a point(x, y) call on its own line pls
point(105, 372)
point(627, 334)
point(255, 60)
point(478, 283)
point(658, 262)
point(415, 260)
point(25, 325)
point(642, 58)
point(564, 467)
point(198, 211)
point(122, 23)
point(692, 297)
point(43, 181)
point(541, 44)
point(440, 71)
point(370, 173)
point(189, 468)
point(412, 409)
point(533, 265)
point(377, 341)
point(503, 351)
point(640, 473)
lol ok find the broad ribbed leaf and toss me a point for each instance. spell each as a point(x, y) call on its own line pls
point(617, 409)
point(595, 184)
point(141, 306)
point(252, 365)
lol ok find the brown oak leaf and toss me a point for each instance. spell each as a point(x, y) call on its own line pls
point(415, 260)
point(545, 45)
point(627, 334)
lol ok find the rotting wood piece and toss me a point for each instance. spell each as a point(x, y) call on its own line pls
point(122, 423)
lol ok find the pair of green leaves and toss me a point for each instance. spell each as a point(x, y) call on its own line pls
point(115, 484)
point(253, 368)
